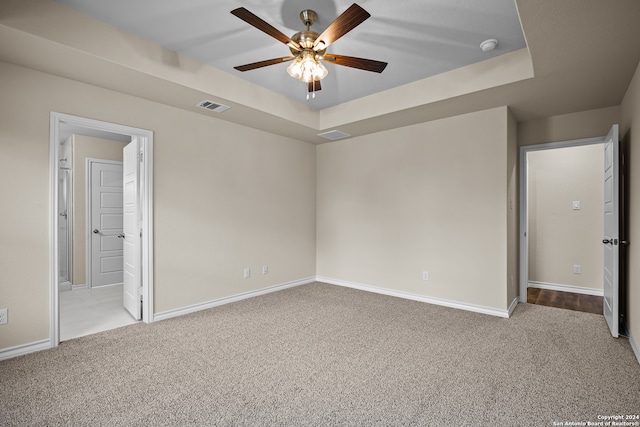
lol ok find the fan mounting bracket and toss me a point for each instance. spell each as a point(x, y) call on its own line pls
point(308, 17)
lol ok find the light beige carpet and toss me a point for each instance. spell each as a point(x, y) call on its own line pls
point(324, 355)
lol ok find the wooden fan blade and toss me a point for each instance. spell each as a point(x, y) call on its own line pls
point(314, 86)
point(265, 63)
point(344, 23)
point(264, 26)
point(353, 62)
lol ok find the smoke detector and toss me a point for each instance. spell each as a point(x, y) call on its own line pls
point(488, 45)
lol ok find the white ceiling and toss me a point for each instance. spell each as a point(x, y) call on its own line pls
point(417, 38)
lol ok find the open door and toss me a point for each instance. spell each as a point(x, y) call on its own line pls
point(611, 229)
point(131, 289)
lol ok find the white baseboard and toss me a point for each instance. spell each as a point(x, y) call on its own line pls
point(226, 300)
point(415, 297)
point(20, 350)
point(567, 288)
point(513, 306)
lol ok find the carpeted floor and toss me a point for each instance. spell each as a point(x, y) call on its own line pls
point(325, 355)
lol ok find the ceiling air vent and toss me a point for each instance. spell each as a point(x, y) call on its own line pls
point(213, 106)
point(334, 134)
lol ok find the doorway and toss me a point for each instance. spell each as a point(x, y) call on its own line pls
point(562, 218)
point(62, 126)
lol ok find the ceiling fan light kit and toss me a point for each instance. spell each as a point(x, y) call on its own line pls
point(308, 48)
point(307, 68)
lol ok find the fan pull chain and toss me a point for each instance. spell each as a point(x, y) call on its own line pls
point(313, 95)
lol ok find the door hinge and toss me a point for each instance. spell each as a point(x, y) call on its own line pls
point(140, 157)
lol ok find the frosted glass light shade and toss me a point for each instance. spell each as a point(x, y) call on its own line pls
point(307, 68)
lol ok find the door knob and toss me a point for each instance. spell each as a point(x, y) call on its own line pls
point(120, 236)
point(95, 231)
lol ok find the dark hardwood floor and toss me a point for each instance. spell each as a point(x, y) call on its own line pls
point(567, 300)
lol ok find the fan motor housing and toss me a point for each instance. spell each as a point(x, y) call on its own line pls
point(306, 40)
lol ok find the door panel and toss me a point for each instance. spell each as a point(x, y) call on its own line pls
point(611, 229)
point(112, 200)
point(111, 221)
point(132, 247)
point(105, 223)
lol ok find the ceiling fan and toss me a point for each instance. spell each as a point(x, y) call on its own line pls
point(308, 48)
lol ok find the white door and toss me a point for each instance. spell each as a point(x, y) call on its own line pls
point(105, 223)
point(611, 229)
point(131, 297)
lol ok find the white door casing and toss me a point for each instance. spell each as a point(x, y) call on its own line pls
point(105, 222)
point(131, 290)
point(145, 137)
point(611, 229)
point(524, 205)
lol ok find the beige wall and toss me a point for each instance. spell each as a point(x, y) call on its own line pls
point(513, 211)
point(566, 127)
point(429, 197)
point(559, 236)
point(85, 147)
point(225, 197)
point(630, 125)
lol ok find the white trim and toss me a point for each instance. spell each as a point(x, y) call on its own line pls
point(415, 297)
point(88, 194)
point(634, 345)
point(566, 288)
point(513, 306)
point(54, 266)
point(524, 242)
point(226, 300)
point(20, 350)
point(146, 175)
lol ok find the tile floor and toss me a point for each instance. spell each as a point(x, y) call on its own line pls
point(87, 311)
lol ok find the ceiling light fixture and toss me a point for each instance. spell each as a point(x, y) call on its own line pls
point(308, 48)
point(307, 68)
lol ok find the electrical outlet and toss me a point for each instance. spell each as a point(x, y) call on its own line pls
point(265, 269)
point(577, 269)
point(3, 316)
point(247, 273)
point(425, 275)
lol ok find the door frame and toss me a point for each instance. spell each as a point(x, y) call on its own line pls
point(88, 218)
point(524, 219)
point(145, 176)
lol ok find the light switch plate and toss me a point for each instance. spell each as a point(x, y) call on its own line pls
point(576, 205)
